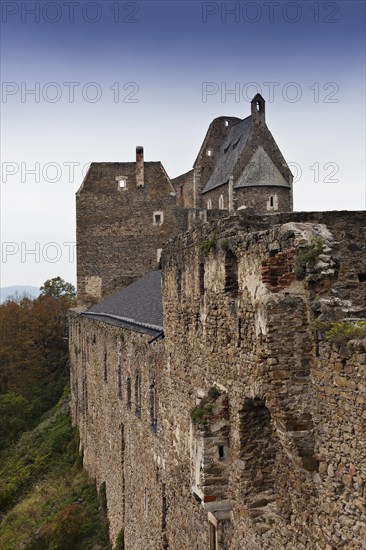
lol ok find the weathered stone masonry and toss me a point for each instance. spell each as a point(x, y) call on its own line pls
point(114, 432)
point(125, 213)
point(242, 428)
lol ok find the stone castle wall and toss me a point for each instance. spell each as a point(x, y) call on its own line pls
point(116, 426)
point(249, 198)
point(183, 186)
point(261, 202)
point(255, 439)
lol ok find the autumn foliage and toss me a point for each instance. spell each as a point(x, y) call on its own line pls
point(33, 357)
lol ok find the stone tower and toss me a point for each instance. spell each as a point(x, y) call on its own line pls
point(125, 212)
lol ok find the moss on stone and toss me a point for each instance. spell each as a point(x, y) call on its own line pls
point(120, 541)
point(341, 331)
point(200, 413)
point(306, 254)
point(208, 244)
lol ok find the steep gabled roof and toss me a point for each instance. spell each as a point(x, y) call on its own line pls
point(137, 307)
point(100, 174)
point(229, 154)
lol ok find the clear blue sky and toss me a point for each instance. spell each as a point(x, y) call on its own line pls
point(109, 75)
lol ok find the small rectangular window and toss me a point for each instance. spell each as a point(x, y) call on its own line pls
point(121, 182)
point(158, 218)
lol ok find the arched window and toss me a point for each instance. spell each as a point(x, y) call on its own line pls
point(209, 204)
point(221, 202)
point(272, 202)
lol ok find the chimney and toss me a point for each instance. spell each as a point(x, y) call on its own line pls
point(258, 110)
point(139, 166)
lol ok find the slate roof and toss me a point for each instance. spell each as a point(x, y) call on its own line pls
point(137, 307)
point(229, 154)
point(260, 170)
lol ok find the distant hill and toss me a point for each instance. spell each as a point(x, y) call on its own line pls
point(18, 291)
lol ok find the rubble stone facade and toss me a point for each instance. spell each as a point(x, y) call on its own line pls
point(242, 427)
point(125, 212)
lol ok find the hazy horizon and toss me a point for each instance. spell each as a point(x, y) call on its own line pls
point(88, 83)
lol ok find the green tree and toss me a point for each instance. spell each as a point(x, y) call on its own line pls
point(57, 288)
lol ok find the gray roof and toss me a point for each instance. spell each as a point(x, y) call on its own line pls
point(229, 154)
point(137, 307)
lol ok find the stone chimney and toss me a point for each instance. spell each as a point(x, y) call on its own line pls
point(258, 110)
point(139, 166)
